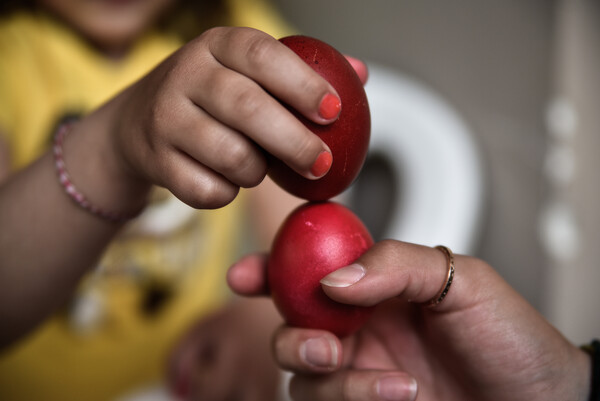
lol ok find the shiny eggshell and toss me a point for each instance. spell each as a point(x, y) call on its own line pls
point(347, 137)
point(315, 240)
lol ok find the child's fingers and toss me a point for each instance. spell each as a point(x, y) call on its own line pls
point(248, 276)
point(249, 75)
point(221, 148)
point(243, 105)
point(195, 184)
point(273, 66)
point(360, 67)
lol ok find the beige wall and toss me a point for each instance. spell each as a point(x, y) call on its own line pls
point(572, 294)
point(501, 64)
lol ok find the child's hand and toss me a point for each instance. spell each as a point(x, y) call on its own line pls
point(200, 122)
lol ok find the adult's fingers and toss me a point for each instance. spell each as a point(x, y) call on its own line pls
point(307, 350)
point(248, 276)
point(414, 272)
point(360, 67)
point(354, 385)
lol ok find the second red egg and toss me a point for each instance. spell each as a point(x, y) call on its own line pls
point(315, 240)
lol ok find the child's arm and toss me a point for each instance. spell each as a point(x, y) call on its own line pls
point(198, 124)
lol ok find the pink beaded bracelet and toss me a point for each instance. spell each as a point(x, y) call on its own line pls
point(70, 189)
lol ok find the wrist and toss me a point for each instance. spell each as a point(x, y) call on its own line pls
point(104, 185)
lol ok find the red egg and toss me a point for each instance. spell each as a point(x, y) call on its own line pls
point(347, 137)
point(315, 240)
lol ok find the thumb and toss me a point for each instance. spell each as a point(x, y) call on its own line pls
point(248, 276)
point(393, 269)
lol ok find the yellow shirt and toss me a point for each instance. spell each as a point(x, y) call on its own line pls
point(166, 270)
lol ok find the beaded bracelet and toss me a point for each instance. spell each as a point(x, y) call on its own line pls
point(72, 191)
point(594, 350)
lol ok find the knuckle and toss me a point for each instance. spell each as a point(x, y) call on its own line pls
point(306, 148)
point(158, 100)
point(235, 154)
point(259, 50)
point(211, 193)
point(281, 352)
point(386, 245)
point(211, 32)
point(211, 35)
point(313, 84)
point(479, 267)
point(171, 72)
point(154, 126)
point(253, 177)
point(220, 82)
point(219, 197)
point(346, 388)
point(247, 103)
point(240, 160)
point(256, 46)
point(159, 115)
point(278, 351)
point(238, 96)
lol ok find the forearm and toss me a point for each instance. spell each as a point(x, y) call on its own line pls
point(48, 242)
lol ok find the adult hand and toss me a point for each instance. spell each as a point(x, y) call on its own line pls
point(483, 342)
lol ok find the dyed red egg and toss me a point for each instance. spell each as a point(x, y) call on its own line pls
point(347, 137)
point(315, 240)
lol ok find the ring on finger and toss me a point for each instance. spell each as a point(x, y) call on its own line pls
point(439, 297)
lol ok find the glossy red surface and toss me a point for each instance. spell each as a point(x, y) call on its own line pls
point(347, 137)
point(314, 240)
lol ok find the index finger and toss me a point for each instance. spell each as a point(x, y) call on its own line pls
point(278, 69)
point(248, 276)
point(250, 74)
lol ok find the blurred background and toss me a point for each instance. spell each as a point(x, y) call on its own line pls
point(484, 138)
point(522, 77)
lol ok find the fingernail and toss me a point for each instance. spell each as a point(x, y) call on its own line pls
point(397, 388)
point(330, 106)
point(322, 165)
point(319, 352)
point(344, 277)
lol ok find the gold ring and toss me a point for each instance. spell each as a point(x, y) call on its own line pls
point(439, 297)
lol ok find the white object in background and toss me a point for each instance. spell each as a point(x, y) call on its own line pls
point(162, 218)
point(87, 312)
point(435, 156)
